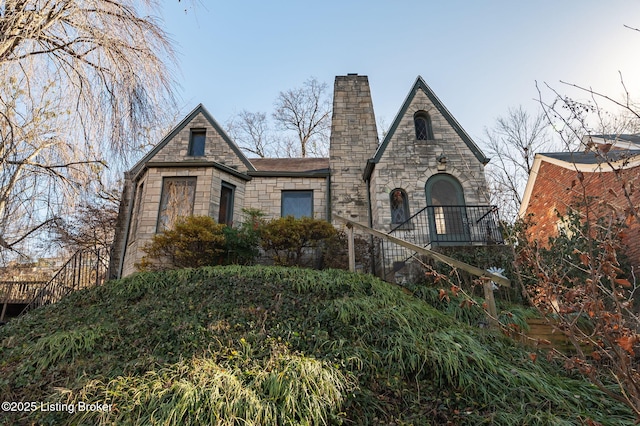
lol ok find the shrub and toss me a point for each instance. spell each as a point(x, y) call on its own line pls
point(484, 257)
point(579, 281)
point(289, 241)
point(242, 243)
point(195, 241)
point(335, 252)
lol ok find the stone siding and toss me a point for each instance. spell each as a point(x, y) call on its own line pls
point(215, 148)
point(118, 248)
point(206, 203)
point(408, 163)
point(265, 193)
point(354, 140)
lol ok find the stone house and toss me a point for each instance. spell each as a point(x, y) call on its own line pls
point(426, 167)
point(600, 174)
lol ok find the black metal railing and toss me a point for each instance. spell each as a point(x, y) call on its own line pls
point(86, 268)
point(439, 226)
point(452, 224)
point(19, 291)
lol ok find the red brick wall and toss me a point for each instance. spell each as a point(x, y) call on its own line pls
point(557, 187)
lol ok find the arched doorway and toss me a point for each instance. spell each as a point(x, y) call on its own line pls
point(447, 211)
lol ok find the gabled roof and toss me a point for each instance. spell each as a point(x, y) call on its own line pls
point(200, 109)
point(584, 162)
point(591, 157)
point(617, 141)
point(421, 85)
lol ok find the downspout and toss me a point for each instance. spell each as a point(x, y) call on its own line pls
point(373, 252)
point(329, 216)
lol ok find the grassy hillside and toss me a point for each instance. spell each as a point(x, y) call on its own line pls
point(276, 346)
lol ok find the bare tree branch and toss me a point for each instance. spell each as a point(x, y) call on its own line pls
point(306, 111)
point(512, 144)
point(251, 132)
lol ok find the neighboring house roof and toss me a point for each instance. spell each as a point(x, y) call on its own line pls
point(585, 162)
point(592, 157)
point(290, 166)
point(421, 85)
point(617, 141)
point(200, 109)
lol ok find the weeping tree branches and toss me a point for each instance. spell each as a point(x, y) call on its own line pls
point(108, 64)
point(79, 81)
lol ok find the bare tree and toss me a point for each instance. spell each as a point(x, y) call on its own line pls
point(512, 144)
point(79, 80)
point(579, 280)
point(251, 132)
point(91, 225)
point(306, 111)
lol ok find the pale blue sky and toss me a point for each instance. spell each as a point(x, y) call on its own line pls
point(479, 57)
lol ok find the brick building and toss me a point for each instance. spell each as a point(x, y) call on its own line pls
point(425, 160)
point(562, 179)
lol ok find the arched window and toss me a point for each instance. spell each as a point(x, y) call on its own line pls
point(399, 206)
point(422, 122)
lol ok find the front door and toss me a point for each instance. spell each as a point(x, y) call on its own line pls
point(446, 210)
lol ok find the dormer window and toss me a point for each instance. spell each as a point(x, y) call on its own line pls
point(196, 142)
point(422, 122)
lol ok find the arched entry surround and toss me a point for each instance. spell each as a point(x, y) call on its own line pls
point(446, 209)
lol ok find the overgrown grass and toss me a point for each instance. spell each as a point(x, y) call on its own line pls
point(264, 345)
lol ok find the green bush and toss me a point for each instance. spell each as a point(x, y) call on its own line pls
point(200, 241)
point(253, 346)
point(291, 242)
point(243, 242)
point(335, 252)
point(195, 241)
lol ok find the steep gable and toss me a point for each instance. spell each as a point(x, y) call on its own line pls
point(218, 147)
point(421, 97)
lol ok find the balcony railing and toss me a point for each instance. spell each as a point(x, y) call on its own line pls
point(435, 226)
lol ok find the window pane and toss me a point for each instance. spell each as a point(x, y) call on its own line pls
point(196, 145)
point(225, 213)
point(399, 206)
point(423, 126)
point(178, 195)
point(443, 193)
point(297, 203)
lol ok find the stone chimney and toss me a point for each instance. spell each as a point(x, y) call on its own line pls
point(354, 140)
